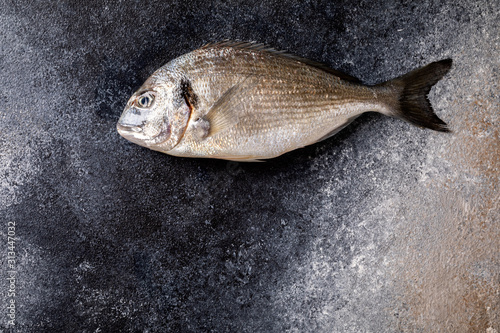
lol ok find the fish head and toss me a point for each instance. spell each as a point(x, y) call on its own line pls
point(156, 115)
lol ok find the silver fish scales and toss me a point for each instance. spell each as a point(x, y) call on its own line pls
point(246, 102)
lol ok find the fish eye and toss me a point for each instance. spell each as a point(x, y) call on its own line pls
point(145, 100)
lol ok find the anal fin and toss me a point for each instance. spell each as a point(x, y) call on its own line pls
point(337, 129)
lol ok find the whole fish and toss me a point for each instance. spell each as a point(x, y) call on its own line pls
point(246, 102)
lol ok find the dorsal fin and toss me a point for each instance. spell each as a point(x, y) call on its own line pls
point(254, 46)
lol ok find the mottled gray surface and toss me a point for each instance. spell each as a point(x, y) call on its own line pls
point(383, 228)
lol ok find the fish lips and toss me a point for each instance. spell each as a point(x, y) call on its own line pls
point(135, 134)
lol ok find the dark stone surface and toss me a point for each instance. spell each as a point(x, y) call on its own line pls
point(383, 228)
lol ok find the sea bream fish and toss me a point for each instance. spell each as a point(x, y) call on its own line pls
point(246, 102)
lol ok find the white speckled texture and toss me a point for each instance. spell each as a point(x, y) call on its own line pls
point(383, 228)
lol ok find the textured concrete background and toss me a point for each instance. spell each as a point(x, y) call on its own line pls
point(383, 228)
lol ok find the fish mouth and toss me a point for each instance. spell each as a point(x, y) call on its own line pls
point(132, 133)
point(135, 134)
point(128, 128)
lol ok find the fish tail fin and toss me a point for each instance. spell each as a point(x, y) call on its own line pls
point(413, 104)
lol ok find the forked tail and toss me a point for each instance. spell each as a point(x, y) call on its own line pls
point(414, 106)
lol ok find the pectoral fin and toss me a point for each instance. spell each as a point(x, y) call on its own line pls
point(224, 114)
